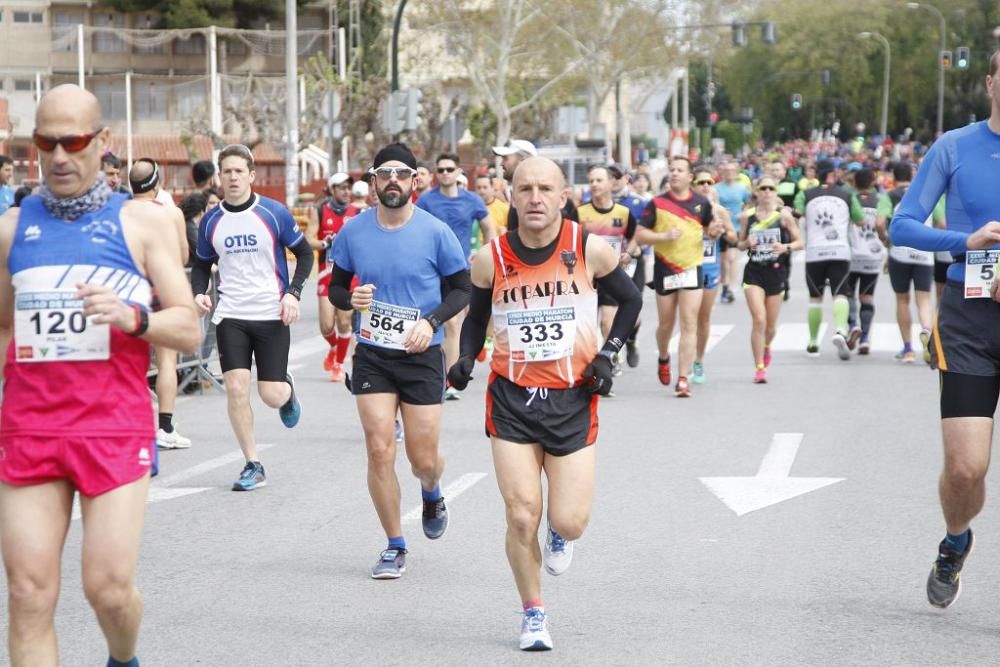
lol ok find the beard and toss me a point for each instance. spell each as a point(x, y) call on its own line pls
point(395, 197)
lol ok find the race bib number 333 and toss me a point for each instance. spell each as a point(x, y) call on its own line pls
point(50, 326)
point(542, 334)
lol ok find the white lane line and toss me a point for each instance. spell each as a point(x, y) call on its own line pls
point(307, 348)
point(794, 336)
point(450, 492)
point(201, 468)
point(885, 337)
point(715, 335)
point(163, 488)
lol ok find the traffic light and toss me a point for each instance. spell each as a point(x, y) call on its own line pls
point(796, 102)
point(767, 33)
point(946, 59)
point(713, 118)
point(739, 35)
point(962, 59)
point(413, 109)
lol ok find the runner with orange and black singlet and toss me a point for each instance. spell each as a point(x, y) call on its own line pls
point(675, 224)
point(538, 283)
point(614, 223)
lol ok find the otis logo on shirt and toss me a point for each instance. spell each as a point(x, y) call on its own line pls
point(244, 242)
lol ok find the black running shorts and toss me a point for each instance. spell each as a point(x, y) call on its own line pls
point(828, 271)
point(265, 342)
point(563, 421)
point(941, 271)
point(865, 282)
point(771, 277)
point(418, 379)
point(902, 275)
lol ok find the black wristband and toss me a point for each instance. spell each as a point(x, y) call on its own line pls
point(142, 318)
point(434, 321)
point(295, 291)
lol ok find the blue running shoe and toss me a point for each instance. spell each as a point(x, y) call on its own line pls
point(558, 553)
point(251, 478)
point(391, 564)
point(534, 635)
point(435, 518)
point(292, 409)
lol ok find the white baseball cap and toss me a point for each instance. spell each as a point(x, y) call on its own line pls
point(516, 146)
point(359, 189)
point(337, 179)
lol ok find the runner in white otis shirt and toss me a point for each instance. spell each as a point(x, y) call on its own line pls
point(246, 235)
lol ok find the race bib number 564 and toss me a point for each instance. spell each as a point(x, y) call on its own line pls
point(50, 326)
point(388, 325)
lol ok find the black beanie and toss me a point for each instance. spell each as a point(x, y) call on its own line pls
point(398, 152)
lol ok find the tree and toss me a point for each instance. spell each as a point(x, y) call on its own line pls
point(498, 43)
point(202, 13)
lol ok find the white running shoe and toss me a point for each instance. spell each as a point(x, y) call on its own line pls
point(173, 440)
point(452, 394)
point(534, 635)
point(558, 553)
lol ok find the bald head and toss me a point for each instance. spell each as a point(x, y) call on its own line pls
point(538, 194)
point(71, 115)
point(70, 101)
point(143, 179)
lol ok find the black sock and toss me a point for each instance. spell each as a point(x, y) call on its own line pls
point(867, 315)
point(167, 422)
point(664, 360)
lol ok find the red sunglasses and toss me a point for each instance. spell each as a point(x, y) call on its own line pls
point(73, 143)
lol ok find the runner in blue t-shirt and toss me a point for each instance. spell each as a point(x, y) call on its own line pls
point(400, 255)
point(459, 209)
point(965, 344)
point(733, 196)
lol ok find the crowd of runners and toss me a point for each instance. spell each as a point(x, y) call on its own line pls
point(422, 272)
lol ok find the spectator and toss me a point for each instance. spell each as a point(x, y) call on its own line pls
point(6, 183)
point(203, 175)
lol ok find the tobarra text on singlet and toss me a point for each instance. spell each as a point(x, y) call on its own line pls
point(544, 315)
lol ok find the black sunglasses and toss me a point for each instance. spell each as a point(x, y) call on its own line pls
point(766, 188)
point(446, 170)
point(703, 182)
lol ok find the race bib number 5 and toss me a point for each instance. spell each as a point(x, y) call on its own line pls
point(980, 272)
point(50, 326)
point(387, 325)
point(542, 334)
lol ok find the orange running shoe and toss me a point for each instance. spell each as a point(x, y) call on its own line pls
point(663, 372)
point(331, 359)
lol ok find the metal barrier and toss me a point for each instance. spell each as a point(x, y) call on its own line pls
point(197, 363)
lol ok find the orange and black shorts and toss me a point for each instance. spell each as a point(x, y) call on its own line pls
point(965, 348)
point(562, 421)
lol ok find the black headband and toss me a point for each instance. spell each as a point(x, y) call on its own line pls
point(398, 152)
point(147, 184)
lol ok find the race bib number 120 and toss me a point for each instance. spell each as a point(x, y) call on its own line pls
point(50, 326)
point(387, 325)
point(980, 272)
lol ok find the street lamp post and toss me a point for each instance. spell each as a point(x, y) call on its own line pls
point(944, 30)
point(885, 78)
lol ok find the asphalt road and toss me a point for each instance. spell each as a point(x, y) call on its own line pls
point(667, 572)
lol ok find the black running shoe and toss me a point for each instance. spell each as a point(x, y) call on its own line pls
point(631, 354)
point(435, 518)
point(944, 584)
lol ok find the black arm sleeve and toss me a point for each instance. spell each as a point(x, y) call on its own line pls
point(303, 267)
point(460, 288)
point(474, 328)
point(201, 274)
point(630, 227)
point(620, 287)
point(339, 293)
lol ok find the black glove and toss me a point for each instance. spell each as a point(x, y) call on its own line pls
point(598, 375)
point(460, 374)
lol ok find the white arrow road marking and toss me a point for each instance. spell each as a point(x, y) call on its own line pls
point(771, 484)
point(715, 335)
point(450, 492)
point(163, 487)
point(885, 338)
